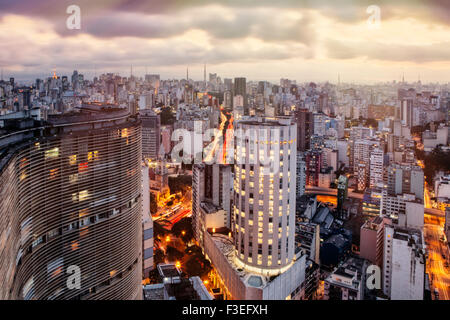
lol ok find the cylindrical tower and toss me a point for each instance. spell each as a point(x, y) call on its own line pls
point(264, 194)
point(71, 201)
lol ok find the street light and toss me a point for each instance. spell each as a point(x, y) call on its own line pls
point(183, 232)
point(178, 264)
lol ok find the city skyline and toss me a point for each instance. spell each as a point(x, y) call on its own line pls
point(293, 39)
point(225, 150)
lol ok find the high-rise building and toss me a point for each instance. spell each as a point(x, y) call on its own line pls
point(371, 240)
point(301, 175)
point(342, 193)
point(240, 89)
point(406, 111)
point(264, 194)
point(71, 206)
point(151, 133)
point(147, 225)
point(260, 257)
point(405, 178)
point(376, 166)
point(363, 156)
point(403, 263)
point(357, 133)
point(210, 184)
point(361, 176)
point(313, 159)
point(154, 80)
point(305, 128)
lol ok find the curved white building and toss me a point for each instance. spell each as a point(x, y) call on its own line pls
point(264, 194)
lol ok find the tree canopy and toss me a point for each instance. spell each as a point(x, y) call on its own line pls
point(167, 117)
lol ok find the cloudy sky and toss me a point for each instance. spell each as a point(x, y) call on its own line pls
point(310, 40)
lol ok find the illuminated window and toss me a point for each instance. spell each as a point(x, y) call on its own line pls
point(125, 133)
point(84, 231)
point(83, 167)
point(73, 159)
point(23, 163)
point(74, 245)
point(53, 173)
point(83, 195)
point(93, 155)
point(23, 175)
point(73, 178)
point(52, 153)
point(83, 212)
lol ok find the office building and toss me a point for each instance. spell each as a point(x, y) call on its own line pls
point(347, 282)
point(211, 193)
point(151, 134)
point(372, 240)
point(147, 225)
point(305, 128)
point(406, 111)
point(403, 263)
point(376, 166)
point(301, 175)
point(313, 159)
point(240, 89)
point(405, 178)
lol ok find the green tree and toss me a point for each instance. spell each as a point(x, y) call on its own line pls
point(173, 254)
point(184, 225)
point(159, 231)
point(159, 257)
point(167, 117)
point(436, 160)
point(197, 265)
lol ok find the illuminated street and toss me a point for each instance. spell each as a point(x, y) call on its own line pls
point(439, 273)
